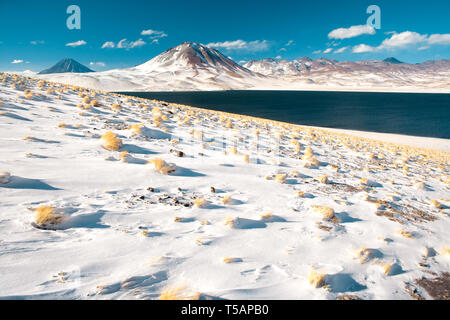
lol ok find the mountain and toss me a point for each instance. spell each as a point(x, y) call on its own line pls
point(193, 56)
point(195, 67)
point(67, 65)
point(392, 60)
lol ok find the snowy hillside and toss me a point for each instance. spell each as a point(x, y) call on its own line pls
point(193, 67)
point(108, 197)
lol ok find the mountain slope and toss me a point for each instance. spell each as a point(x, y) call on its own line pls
point(67, 65)
point(195, 67)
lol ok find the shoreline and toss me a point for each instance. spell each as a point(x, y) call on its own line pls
point(418, 142)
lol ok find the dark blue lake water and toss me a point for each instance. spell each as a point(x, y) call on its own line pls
point(417, 114)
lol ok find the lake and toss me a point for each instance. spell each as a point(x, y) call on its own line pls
point(417, 114)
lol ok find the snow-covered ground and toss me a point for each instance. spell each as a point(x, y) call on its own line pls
point(255, 209)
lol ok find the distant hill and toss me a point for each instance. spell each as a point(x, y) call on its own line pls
point(392, 60)
point(67, 65)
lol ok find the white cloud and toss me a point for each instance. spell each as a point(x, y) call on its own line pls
point(361, 48)
point(439, 39)
point(154, 34)
point(278, 57)
point(403, 39)
point(253, 46)
point(124, 44)
point(317, 51)
point(406, 39)
point(100, 64)
point(17, 61)
point(353, 31)
point(328, 50)
point(108, 44)
point(340, 50)
point(36, 42)
point(290, 42)
point(76, 44)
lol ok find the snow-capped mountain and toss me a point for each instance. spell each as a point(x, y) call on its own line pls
point(67, 65)
point(196, 67)
point(193, 56)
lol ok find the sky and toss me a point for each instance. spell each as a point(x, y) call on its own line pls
point(118, 34)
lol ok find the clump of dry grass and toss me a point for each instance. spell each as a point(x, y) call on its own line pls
point(177, 293)
point(436, 204)
point(445, 251)
point(137, 128)
point(266, 216)
point(161, 166)
point(316, 279)
point(46, 216)
point(5, 177)
point(281, 178)
point(200, 202)
point(363, 254)
point(231, 221)
point(405, 234)
point(228, 260)
point(299, 193)
point(386, 267)
point(322, 179)
point(327, 213)
point(110, 141)
point(226, 199)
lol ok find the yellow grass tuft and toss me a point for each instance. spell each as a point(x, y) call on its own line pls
point(281, 178)
point(226, 199)
point(436, 204)
point(62, 125)
point(265, 216)
point(387, 267)
point(161, 166)
point(111, 142)
point(445, 251)
point(5, 177)
point(177, 293)
point(363, 254)
point(137, 128)
point(200, 202)
point(230, 221)
point(323, 179)
point(123, 156)
point(46, 216)
point(326, 212)
point(300, 194)
point(405, 233)
point(229, 260)
point(205, 223)
point(316, 279)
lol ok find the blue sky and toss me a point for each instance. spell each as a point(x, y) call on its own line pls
point(34, 36)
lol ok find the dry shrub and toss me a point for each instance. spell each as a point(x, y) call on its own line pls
point(363, 254)
point(316, 279)
point(265, 216)
point(231, 221)
point(327, 213)
point(230, 260)
point(5, 177)
point(323, 179)
point(111, 142)
point(123, 156)
point(281, 178)
point(177, 293)
point(161, 166)
point(435, 204)
point(300, 194)
point(226, 199)
point(200, 202)
point(137, 128)
point(46, 216)
point(405, 234)
point(386, 267)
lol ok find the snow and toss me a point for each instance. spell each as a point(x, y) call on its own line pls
point(195, 67)
point(130, 232)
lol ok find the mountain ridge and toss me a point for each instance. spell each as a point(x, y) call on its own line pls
point(67, 65)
